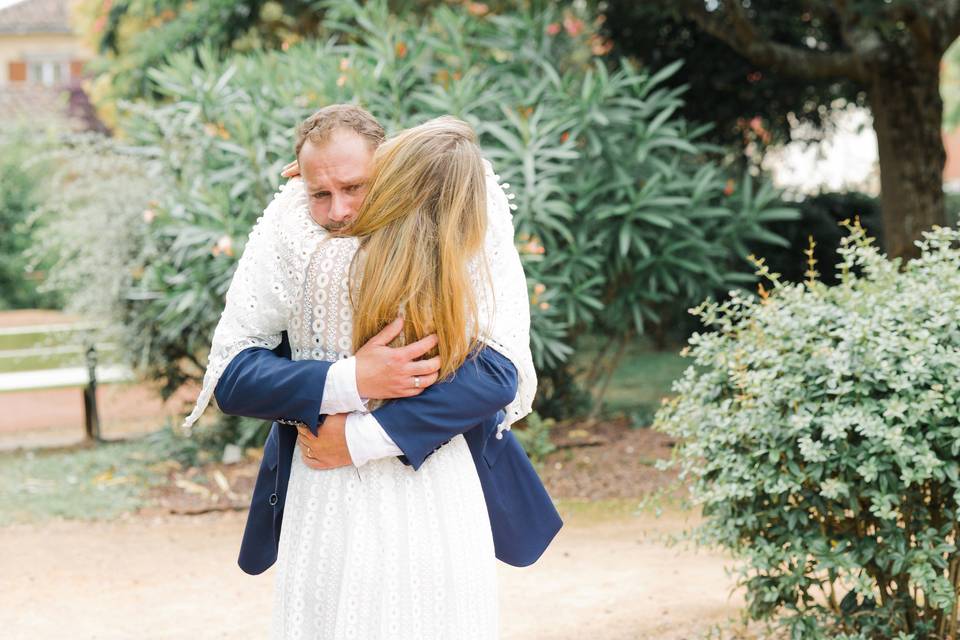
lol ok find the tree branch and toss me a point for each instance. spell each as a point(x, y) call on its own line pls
point(732, 25)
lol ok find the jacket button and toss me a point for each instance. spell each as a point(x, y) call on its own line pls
point(273, 499)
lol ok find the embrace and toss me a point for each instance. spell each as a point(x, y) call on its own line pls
point(379, 316)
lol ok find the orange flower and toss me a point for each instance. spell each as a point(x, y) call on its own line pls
point(401, 49)
point(224, 245)
point(544, 305)
point(342, 80)
point(539, 288)
point(729, 188)
point(600, 46)
point(553, 28)
point(564, 136)
point(477, 8)
point(344, 64)
point(573, 26)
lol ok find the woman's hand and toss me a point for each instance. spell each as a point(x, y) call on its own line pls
point(292, 170)
point(328, 449)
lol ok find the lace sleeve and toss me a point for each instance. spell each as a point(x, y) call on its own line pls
point(503, 300)
point(261, 292)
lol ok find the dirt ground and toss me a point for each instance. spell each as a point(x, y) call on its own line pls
point(172, 577)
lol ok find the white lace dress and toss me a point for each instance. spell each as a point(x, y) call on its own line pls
point(381, 551)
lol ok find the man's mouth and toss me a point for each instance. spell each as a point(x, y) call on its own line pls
point(336, 226)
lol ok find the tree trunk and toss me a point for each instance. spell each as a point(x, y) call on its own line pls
point(908, 113)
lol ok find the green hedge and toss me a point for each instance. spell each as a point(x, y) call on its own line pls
point(819, 428)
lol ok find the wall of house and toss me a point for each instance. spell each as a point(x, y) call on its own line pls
point(19, 51)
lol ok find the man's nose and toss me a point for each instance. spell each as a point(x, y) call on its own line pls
point(339, 209)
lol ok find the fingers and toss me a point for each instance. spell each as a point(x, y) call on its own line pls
point(292, 169)
point(423, 367)
point(388, 333)
point(416, 349)
point(425, 381)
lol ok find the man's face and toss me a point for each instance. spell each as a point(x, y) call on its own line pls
point(335, 174)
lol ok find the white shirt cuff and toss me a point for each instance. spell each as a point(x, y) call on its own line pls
point(340, 389)
point(366, 439)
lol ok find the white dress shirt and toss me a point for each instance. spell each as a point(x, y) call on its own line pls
point(366, 439)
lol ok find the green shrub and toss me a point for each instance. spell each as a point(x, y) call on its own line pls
point(620, 210)
point(820, 217)
point(91, 230)
point(535, 436)
point(22, 175)
point(819, 428)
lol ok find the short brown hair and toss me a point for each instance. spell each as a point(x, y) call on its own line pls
point(319, 127)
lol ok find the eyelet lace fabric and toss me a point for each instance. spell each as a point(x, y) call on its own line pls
point(381, 551)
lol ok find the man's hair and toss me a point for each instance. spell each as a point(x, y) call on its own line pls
point(320, 126)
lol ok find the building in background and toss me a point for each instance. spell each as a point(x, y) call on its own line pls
point(41, 67)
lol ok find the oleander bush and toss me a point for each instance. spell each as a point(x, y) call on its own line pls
point(621, 211)
point(819, 430)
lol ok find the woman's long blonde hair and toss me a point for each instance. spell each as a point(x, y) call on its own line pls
point(423, 219)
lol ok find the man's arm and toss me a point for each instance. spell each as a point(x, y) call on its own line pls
point(265, 384)
point(481, 387)
point(259, 383)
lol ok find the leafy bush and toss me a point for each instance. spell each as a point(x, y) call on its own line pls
point(91, 229)
point(620, 210)
point(820, 217)
point(820, 429)
point(535, 436)
point(21, 174)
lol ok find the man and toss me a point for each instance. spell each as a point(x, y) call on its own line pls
point(334, 152)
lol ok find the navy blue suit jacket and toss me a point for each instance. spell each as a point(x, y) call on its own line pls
point(266, 384)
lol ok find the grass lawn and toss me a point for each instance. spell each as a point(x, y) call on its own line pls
point(25, 351)
point(642, 378)
point(92, 483)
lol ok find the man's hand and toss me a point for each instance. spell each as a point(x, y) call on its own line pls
point(292, 170)
point(394, 372)
point(328, 450)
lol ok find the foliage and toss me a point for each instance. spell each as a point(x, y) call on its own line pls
point(20, 192)
point(724, 87)
point(620, 210)
point(91, 229)
point(818, 428)
point(207, 442)
point(891, 51)
point(535, 436)
point(820, 217)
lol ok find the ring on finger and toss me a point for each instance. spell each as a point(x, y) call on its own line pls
point(416, 381)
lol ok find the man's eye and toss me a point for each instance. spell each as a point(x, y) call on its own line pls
point(354, 188)
point(322, 194)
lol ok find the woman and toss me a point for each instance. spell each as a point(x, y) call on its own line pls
point(385, 551)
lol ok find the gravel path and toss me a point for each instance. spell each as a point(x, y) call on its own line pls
point(172, 577)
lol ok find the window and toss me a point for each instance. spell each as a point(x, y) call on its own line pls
point(48, 72)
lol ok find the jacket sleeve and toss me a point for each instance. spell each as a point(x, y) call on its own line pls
point(266, 384)
point(482, 386)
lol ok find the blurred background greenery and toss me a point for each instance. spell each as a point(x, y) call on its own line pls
point(634, 135)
